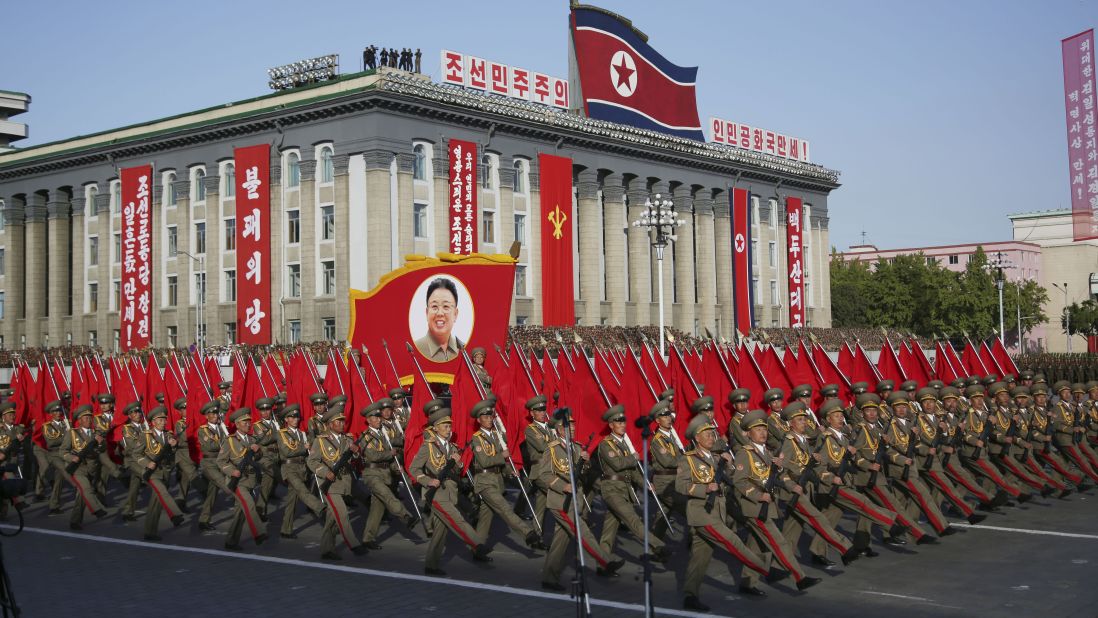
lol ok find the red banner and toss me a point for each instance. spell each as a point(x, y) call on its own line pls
point(1079, 93)
point(136, 300)
point(795, 260)
point(253, 244)
point(436, 306)
point(558, 296)
point(463, 197)
point(743, 304)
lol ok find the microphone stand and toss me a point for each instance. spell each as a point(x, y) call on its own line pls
point(579, 582)
point(644, 423)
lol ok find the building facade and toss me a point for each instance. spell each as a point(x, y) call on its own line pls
point(1020, 260)
point(359, 180)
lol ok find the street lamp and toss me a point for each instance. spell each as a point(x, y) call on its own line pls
point(1067, 313)
point(660, 218)
point(199, 308)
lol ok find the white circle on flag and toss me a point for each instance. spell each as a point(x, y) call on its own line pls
point(623, 73)
point(740, 243)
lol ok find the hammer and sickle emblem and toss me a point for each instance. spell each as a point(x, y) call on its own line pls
point(557, 218)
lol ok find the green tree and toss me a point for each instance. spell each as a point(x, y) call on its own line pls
point(849, 283)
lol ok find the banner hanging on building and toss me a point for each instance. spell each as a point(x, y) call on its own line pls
point(795, 260)
point(436, 306)
point(253, 244)
point(742, 291)
point(136, 299)
point(623, 79)
point(1079, 97)
point(463, 196)
point(558, 294)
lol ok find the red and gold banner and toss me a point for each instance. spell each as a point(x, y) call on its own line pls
point(463, 196)
point(136, 300)
point(558, 294)
point(794, 244)
point(743, 304)
point(253, 244)
point(436, 306)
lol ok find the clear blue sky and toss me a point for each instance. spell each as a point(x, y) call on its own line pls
point(942, 116)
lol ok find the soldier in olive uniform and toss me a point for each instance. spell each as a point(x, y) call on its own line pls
point(54, 432)
point(490, 456)
point(740, 399)
point(316, 421)
point(77, 439)
point(902, 468)
point(328, 449)
point(1068, 434)
point(812, 428)
point(379, 455)
point(133, 442)
point(1006, 441)
point(150, 456)
point(853, 411)
point(696, 478)
point(478, 357)
point(232, 459)
point(210, 437)
point(11, 435)
point(401, 411)
point(975, 451)
point(1023, 448)
point(930, 429)
point(704, 406)
point(103, 423)
point(293, 449)
point(774, 400)
point(183, 462)
point(665, 451)
point(537, 437)
point(265, 433)
point(1043, 428)
point(950, 397)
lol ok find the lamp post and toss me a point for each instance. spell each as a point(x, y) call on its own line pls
point(1067, 313)
point(199, 305)
point(659, 218)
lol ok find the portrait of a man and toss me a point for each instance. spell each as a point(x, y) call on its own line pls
point(440, 344)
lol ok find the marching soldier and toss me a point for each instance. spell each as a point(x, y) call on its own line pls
point(74, 449)
point(233, 460)
point(537, 436)
point(951, 450)
point(210, 437)
point(975, 451)
point(1006, 443)
point(740, 399)
point(803, 394)
point(930, 429)
point(183, 462)
point(328, 451)
point(54, 433)
point(150, 456)
point(265, 433)
point(133, 442)
point(1022, 449)
point(854, 411)
point(293, 449)
point(103, 423)
point(380, 462)
point(478, 356)
point(903, 471)
point(773, 399)
point(11, 435)
point(316, 421)
point(1043, 429)
point(1068, 434)
point(400, 401)
point(704, 405)
point(490, 455)
point(437, 466)
point(665, 451)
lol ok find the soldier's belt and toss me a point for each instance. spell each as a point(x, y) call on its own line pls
point(618, 477)
point(493, 469)
point(379, 466)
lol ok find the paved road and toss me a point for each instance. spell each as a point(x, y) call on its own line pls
point(999, 568)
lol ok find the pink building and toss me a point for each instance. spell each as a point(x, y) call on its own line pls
point(1020, 260)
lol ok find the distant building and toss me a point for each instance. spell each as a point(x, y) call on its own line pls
point(11, 104)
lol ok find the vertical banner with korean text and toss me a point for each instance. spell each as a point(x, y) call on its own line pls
point(558, 295)
point(742, 289)
point(1079, 94)
point(795, 258)
point(463, 196)
point(136, 300)
point(253, 244)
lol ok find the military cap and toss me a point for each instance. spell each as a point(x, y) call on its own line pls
point(180, 404)
point(701, 403)
point(753, 418)
point(794, 410)
point(84, 410)
point(536, 403)
point(1061, 385)
point(614, 413)
point(1025, 375)
point(280, 399)
point(7, 406)
point(374, 409)
point(291, 410)
point(774, 394)
point(950, 392)
point(667, 394)
point(829, 390)
point(976, 390)
point(318, 399)
point(440, 416)
point(1078, 388)
point(210, 407)
point(477, 350)
point(1020, 391)
point(898, 398)
point(264, 403)
point(553, 422)
point(831, 405)
point(803, 390)
point(485, 406)
point(158, 412)
point(387, 403)
point(698, 425)
point(337, 399)
point(885, 385)
point(996, 388)
point(159, 397)
point(1009, 378)
point(224, 385)
point(1038, 389)
point(926, 393)
point(1039, 378)
point(935, 384)
point(1093, 384)
point(334, 413)
point(134, 406)
point(240, 414)
point(739, 395)
point(867, 400)
point(53, 406)
point(989, 379)
point(106, 398)
point(859, 387)
point(662, 408)
point(432, 405)
point(396, 394)
point(972, 381)
point(909, 386)
point(958, 383)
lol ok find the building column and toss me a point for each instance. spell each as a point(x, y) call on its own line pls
point(589, 228)
point(102, 209)
point(379, 222)
point(661, 188)
point(215, 252)
point(704, 263)
point(405, 199)
point(37, 268)
point(310, 329)
point(60, 278)
point(14, 271)
point(685, 299)
point(185, 320)
point(79, 277)
point(722, 232)
point(613, 208)
point(640, 262)
point(340, 163)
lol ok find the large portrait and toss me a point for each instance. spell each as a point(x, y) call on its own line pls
point(441, 317)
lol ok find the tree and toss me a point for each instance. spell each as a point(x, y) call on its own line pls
point(1084, 318)
point(849, 281)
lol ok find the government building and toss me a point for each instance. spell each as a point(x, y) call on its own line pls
point(359, 179)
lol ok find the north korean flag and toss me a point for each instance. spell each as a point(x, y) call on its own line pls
point(624, 80)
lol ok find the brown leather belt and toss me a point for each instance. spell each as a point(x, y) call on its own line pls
point(617, 477)
point(379, 466)
point(493, 469)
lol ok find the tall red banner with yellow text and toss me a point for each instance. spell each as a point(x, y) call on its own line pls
point(795, 258)
point(558, 294)
point(463, 196)
point(253, 244)
point(136, 301)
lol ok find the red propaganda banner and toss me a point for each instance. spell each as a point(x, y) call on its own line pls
point(436, 306)
point(253, 244)
point(1079, 93)
point(796, 262)
point(743, 304)
point(463, 197)
point(558, 294)
point(136, 301)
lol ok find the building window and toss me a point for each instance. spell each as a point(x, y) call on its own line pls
point(486, 172)
point(230, 285)
point(329, 278)
point(327, 222)
point(808, 293)
point(228, 181)
point(295, 331)
point(293, 283)
point(173, 290)
point(773, 212)
point(200, 238)
point(756, 291)
point(1, 307)
point(772, 251)
point(293, 227)
point(488, 227)
point(230, 333)
point(173, 241)
point(522, 320)
point(116, 295)
point(2, 261)
point(229, 225)
point(173, 337)
point(200, 288)
point(520, 228)
point(953, 259)
point(2, 213)
point(327, 167)
point(419, 220)
point(117, 247)
point(329, 329)
point(419, 162)
point(520, 280)
point(116, 196)
point(93, 297)
point(198, 187)
point(170, 197)
point(93, 338)
point(93, 251)
point(774, 300)
point(293, 170)
point(754, 253)
point(930, 261)
point(520, 177)
point(806, 254)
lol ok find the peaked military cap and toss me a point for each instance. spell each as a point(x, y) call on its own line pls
point(224, 385)
point(396, 394)
point(134, 406)
point(926, 393)
point(976, 390)
point(485, 406)
point(84, 410)
point(241, 414)
point(996, 388)
point(701, 404)
point(106, 398)
point(431, 406)
point(318, 399)
point(334, 413)
point(210, 407)
point(909, 386)
point(53, 406)
point(753, 418)
point(829, 390)
point(793, 410)
point(774, 394)
point(536, 402)
point(1020, 391)
point(739, 395)
point(440, 416)
point(614, 414)
point(291, 410)
point(374, 409)
point(867, 400)
point(158, 412)
point(830, 406)
point(698, 425)
point(885, 385)
point(667, 394)
point(264, 403)
point(662, 408)
point(803, 390)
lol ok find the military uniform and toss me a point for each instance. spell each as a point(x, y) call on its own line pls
point(11, 437)
point(265, 432)
point(103, 423)
point(665, 452)
point(736, 435)
point(54, 434)
point(150, 456)
point(293, 449)
point(976, 458)
point(620, 473)
point(930, 429)
point(133, 442)
point(379, 468)
point(210, 437)
point(73, 448)
point(327, 450)
point(776, 427)
point(537, 437)
point(183, 463)
point(904, 476)
point(232, 461)
point(954, 441)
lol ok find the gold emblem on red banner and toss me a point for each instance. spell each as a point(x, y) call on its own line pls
point(557, 218)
